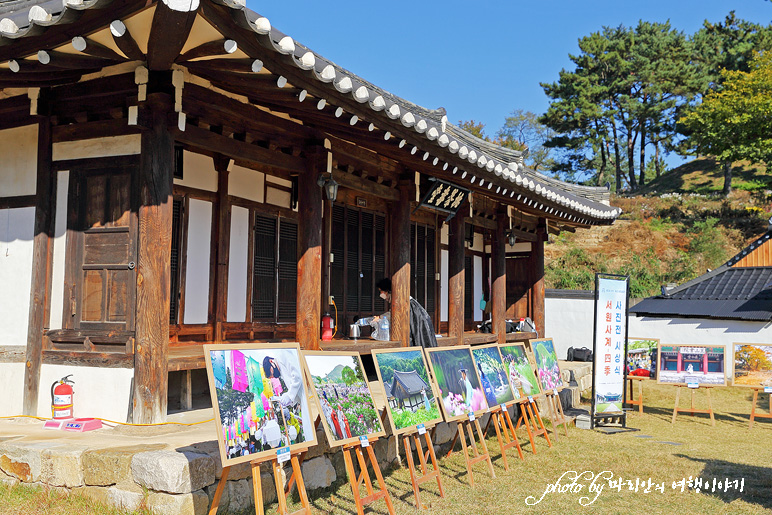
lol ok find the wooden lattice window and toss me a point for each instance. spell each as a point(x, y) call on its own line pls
point(176, 257)
point(275, 265)
point(423, 261)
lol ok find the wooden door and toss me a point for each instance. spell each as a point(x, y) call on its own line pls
point(102, 257)
point(518, 288)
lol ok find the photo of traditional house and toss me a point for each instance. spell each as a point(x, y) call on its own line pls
point(685, 364)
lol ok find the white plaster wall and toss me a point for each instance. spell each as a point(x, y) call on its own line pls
point(277, 197)
point(477, 244)
point(246, 183)
point(12, 386)
point(17, 227)
point(198, 172)
point(444, 234)
point(569, 323)
point(18, 163)
point(197, 268)
point(519, 246)
point(98, 392)
point(60, 246)
point(444, 285)
point(278, 180)
point(129, 144)
point(237, 265)
point(478, 286)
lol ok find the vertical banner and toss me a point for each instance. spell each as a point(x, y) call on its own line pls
point(609, 347)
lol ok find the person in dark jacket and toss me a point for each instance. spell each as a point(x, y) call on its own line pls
point(421, 327)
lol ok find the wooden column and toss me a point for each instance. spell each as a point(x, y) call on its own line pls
point(308, 319)
point(400, 264)
point(536, 266)
point(499, 276)
point(222, 235)
point(42, 255)
point(156, 172)
point(456, 274)
point(326, 250)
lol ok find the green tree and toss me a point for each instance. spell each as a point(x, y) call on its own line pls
point(474, 128)
point(734, 122)
point(348, 376)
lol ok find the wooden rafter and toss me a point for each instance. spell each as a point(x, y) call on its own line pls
point(168, 33)
point(209, 49)
point(125, 42)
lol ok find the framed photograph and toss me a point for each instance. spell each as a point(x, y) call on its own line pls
point(691, 364)
point(493, 375)
point(345, 402)
point(641, 358)
point(520, 369)
point(410, 396)
point(455, 375)
point(259, 398)
point(547, 368)
point(752, 365)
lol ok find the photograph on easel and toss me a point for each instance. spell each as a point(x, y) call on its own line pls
point(691, 364)
point(410, 396)
point(343, 396)
point(455, 374)
point(493, 376)
point(520, 369)
point(642, 357)
point(259, 399)
point(547, 367)
point(752, 365)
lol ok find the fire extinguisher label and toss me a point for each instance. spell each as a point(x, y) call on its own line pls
point(63, 413)
point(62, 399)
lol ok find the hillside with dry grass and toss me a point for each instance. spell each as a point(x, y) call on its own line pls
point(674, 230)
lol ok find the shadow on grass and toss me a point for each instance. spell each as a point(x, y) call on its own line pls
point(667, 414)
point(757, 488)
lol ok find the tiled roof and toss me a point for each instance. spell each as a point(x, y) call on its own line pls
point(725, 293)
point(483, 162)
point(410, 381)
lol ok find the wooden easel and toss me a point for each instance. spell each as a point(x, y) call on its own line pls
point(478, 456)
point(755, 415)
point(364, 475)
point(509, 440)
point(426, 475)
point(677, 410)
point(639, 401)
point(258, 487)
point(531, 419)
point(556, 413)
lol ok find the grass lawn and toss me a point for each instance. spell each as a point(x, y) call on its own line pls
point(660, 451)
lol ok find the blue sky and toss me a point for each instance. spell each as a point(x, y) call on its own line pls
point(479, 60)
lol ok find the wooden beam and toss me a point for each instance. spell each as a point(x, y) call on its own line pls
point(92, 48)
point(90, 130)
point(400, 264)
point(222, 237)
point(62, 60)
point(153, 269)
point(499, 277)
point(125, 42)
point(169, 32)
point(524, 235)
point(239, 150)
point(366, 186)
point(209, 49)
point(536, 267)
point(456, 275)
point(480, 221)
point(308, 321)
point(18, 201)
point(42, 257)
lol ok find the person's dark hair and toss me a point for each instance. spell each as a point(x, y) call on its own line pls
point(267, 367)
point(384, 285)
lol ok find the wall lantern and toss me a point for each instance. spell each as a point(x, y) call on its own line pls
point(329, 186)
point(511, 239)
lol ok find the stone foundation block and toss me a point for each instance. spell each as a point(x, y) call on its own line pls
point(23, 460)
point(318, 473)
point(173, 472)
point(127, 496)
point(104, 467)
point(61, 466)
point(194, 503)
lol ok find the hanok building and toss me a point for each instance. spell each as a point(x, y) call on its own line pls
point(407, 388)
point(180, 172)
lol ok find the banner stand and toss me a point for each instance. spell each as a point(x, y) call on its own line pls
point(609, 350)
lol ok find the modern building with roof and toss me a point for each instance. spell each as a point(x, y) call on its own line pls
point(181, 172)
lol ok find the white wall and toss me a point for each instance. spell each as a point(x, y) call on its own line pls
point(197, 267)
point(197, 172)
point(569, 323)
point(444, 288)
point(98, 392)
point(237, 265)
point(12, 386)
point(17, 227)
point(246, 183)
point(60, 250)
point(477, 285)
point(18, 163)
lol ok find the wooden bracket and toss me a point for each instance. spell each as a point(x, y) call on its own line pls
point(364, 475)
point(426, 475)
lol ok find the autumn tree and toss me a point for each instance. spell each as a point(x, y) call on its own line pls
point(752, 359)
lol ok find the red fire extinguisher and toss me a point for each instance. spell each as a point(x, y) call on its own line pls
point(61, 398)
point(327, 326)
